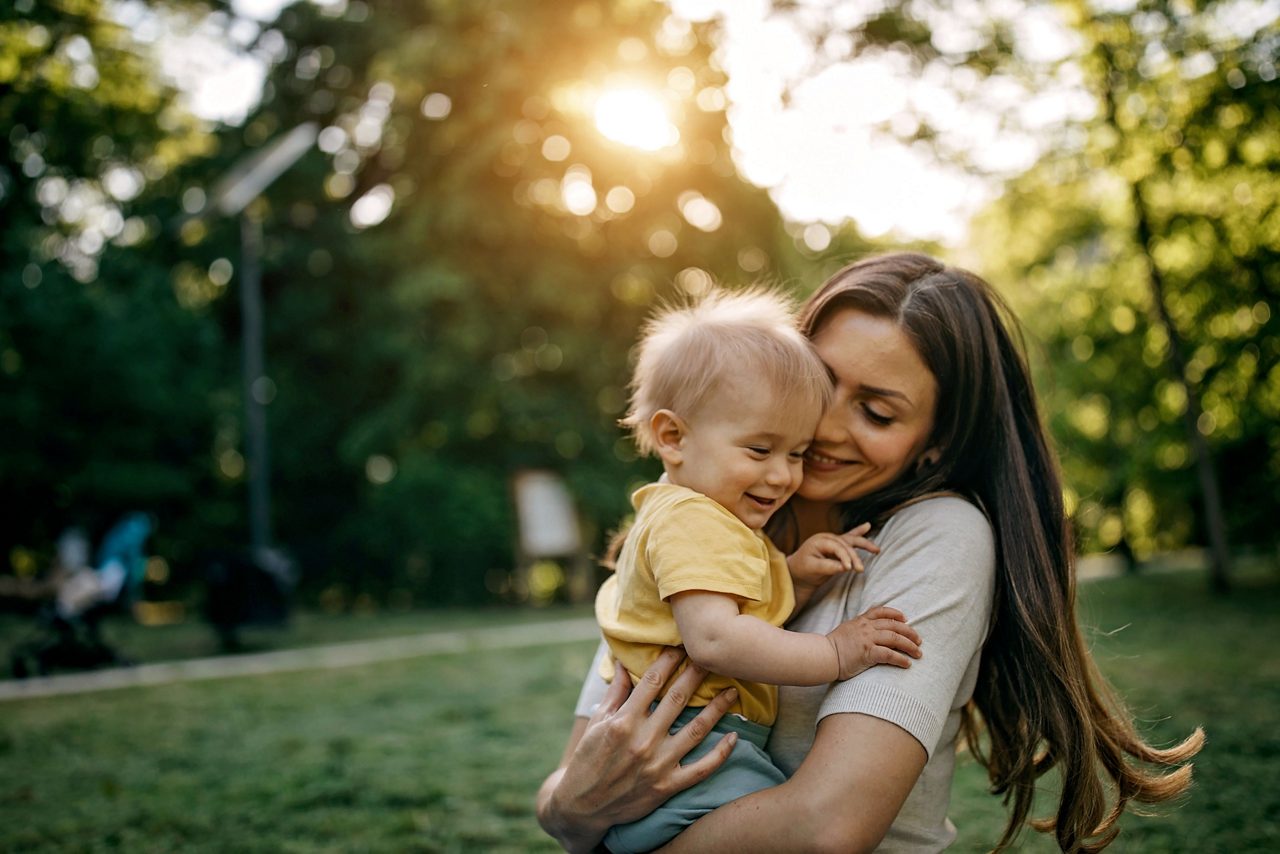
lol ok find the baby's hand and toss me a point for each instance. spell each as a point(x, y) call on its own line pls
point(879, 636)
point(824, 555)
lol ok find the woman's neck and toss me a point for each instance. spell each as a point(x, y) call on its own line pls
point(814, 517)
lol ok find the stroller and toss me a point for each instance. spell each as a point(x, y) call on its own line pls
point(68, 634)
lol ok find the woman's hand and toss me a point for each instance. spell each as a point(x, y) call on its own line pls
point(623, 763)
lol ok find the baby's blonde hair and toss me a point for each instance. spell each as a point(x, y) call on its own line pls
point(686, 351)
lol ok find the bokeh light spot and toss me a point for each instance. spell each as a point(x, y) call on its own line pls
point(437, 106)
point(556, 148)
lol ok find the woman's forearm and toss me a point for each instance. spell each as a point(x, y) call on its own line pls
point(574, 832)
point(844, 796)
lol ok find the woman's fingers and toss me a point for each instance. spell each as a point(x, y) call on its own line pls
point(646, 690)
point(677, 697)
point(697, 729)
point(616, 694)
point(692, 734)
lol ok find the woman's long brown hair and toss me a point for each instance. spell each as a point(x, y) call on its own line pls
point(1042, 701)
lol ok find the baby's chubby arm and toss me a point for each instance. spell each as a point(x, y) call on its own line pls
point(721, 639)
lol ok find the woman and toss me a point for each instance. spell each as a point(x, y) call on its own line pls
point(933, 434)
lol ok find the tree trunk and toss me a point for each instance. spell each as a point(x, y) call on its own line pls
point(1215, 520)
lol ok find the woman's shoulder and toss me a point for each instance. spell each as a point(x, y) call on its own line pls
point(939, 508)
point(946, 522)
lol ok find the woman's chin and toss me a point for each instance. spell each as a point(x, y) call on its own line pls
point(821, 493)
point(821, 487)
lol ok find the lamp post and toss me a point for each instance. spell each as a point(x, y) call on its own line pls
point(231, 196)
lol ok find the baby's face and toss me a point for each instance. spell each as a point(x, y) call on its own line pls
point(745, 452)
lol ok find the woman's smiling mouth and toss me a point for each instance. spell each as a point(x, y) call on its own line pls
point(822, 461)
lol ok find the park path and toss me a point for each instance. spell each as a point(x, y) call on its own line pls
point(328, 657)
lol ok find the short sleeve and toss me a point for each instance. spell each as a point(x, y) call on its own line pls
point(937, 566)
point(701, 546)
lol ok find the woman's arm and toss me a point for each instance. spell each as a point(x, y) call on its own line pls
point(621, 764)
point(843, 797)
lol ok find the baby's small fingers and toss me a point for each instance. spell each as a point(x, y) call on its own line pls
point(831, 547)
point(901, 643)
point(848, 557)
point(884, 655)
point(898, 628)
point(884, 612)
point(861, 543)
point(830, 566)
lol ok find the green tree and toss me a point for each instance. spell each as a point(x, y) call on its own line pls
point(1156, 236)
point(106, 377)
point(1140, 248)
point(454, 284)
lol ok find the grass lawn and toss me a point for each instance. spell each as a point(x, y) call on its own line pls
point(444, 754)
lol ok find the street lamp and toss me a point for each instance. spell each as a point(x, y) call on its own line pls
point(231, 196)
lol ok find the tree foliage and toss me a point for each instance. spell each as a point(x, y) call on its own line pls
point(454, 277)
point(1177, 170)
point(452, 284)
point(105, 377)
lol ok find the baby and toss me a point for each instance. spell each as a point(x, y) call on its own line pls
point(728, 394)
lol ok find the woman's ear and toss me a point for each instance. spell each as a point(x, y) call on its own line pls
point(668, 431)
point(928, 459)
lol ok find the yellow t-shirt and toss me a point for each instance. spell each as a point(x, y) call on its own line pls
point(681, 540)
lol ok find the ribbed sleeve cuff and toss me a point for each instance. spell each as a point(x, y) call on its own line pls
point(885, 703)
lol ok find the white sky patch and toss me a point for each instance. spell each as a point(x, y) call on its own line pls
point(1243, 18)
point(828, 155)
point(837, 151)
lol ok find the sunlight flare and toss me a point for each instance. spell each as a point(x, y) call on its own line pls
point(635, 117)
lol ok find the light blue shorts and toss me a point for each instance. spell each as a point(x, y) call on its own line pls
point(748, 769)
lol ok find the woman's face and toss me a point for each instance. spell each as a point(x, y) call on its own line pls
point(882, 413)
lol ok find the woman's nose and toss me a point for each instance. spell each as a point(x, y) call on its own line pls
point(833, 426)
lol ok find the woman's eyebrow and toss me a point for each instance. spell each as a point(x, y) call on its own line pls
point(885, 392)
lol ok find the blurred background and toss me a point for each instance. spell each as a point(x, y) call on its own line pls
point(326, 307)
point(488, 198)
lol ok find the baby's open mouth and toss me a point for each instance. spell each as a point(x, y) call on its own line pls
point(763, 502)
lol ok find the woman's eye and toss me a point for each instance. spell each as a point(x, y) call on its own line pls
point(876, 417)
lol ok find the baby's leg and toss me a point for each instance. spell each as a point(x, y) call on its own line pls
point(748, 769)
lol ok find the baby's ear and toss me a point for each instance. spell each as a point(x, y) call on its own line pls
point(668, 431)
